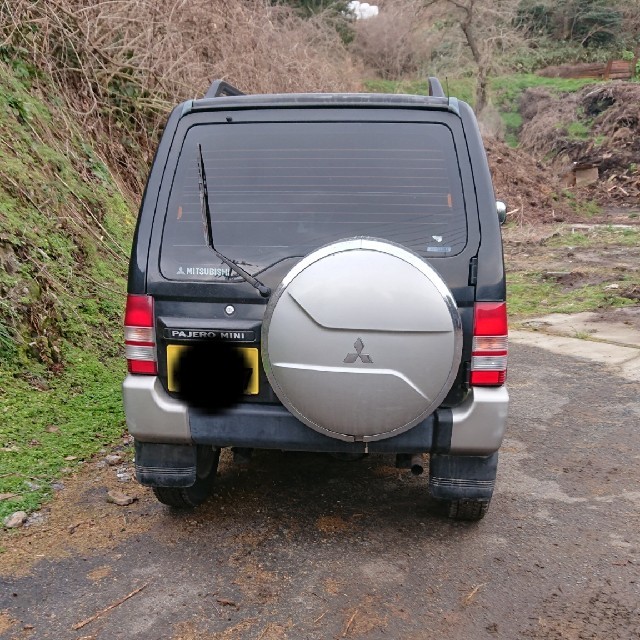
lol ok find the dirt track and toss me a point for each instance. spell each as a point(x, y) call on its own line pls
point(303, 547)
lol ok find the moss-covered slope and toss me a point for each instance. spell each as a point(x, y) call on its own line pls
point(65, 230)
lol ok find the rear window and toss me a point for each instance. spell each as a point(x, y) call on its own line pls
point(279, 190)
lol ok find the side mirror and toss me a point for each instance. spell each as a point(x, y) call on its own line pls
point(501, 210)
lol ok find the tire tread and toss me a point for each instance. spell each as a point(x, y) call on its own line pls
point(178, 498)
point(470, 510)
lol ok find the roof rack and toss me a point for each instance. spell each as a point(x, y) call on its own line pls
point(220, 88)
point(435, 88)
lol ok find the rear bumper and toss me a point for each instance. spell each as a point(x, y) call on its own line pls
point(476, 427)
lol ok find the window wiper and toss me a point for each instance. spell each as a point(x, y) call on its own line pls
point(265, 291)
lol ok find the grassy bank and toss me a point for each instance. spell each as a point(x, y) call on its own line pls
point(65, 229)
point(50, 425)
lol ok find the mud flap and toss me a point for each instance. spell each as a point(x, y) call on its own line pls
point(462, 477)
point(165, 465)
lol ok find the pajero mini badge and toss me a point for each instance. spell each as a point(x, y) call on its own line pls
point(209, 334)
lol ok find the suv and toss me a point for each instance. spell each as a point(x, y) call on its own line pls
point(348, 248)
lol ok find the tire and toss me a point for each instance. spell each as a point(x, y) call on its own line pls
point(197, 493)
point(469, 510)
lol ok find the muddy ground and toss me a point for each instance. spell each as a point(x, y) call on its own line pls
point(536, 248)
point(573, 256)
point(301, 546)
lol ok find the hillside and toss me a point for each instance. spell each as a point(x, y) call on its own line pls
point(65, 229)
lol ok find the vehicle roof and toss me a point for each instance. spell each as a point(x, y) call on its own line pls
point(308, 100)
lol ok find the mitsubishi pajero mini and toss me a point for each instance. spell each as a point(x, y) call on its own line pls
point(347, 249)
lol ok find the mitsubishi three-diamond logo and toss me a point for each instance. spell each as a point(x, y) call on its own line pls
point(358, 345)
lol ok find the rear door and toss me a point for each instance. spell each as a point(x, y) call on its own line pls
point(282, 183)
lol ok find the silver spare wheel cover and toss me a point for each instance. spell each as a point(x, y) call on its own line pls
point(362, 340)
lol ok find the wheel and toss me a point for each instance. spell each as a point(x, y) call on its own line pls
point(467, 509)
point(462, 486)
point(190, 497)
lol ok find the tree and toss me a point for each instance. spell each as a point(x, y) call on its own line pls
point(488, 28)
point(588, 22)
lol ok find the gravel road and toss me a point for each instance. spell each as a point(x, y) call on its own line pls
point(304, 547)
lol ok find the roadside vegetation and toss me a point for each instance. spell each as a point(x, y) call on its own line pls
point(65, 230)
point(85, 87)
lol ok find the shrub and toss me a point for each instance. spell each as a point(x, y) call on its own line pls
point(121, 65)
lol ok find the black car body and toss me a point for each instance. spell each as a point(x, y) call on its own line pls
point(284, 176)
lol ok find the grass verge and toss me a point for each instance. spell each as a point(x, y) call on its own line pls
point(51, 425)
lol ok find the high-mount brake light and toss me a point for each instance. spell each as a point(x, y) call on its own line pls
point(140, 336)
point(490, 344)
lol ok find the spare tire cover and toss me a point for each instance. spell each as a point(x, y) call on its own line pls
point(362, 340)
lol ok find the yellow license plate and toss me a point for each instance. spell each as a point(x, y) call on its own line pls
point(251, 362)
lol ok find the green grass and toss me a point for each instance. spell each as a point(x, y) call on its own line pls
point(532, 294)
point(597, 238)
point(589, 208)
point(512, 123)
point(46, 420)
point(461, 88)
point(578, 130)
point(586, 208)
point(505, 92)
point(65, 230)
point(507, 89)
point(583, 335)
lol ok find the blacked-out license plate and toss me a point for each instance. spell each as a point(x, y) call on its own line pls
point(250, 355)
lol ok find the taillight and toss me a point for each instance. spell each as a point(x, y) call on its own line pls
point(490, 343)
point(140, 336)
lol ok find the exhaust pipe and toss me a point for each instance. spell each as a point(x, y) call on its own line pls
point(417, 464)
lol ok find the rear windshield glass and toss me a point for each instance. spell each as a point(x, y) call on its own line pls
point(278, 190)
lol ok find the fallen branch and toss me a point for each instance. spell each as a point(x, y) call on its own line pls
point(353, 617)
point(473, 592)
point(84, 623)
point(226, 603)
